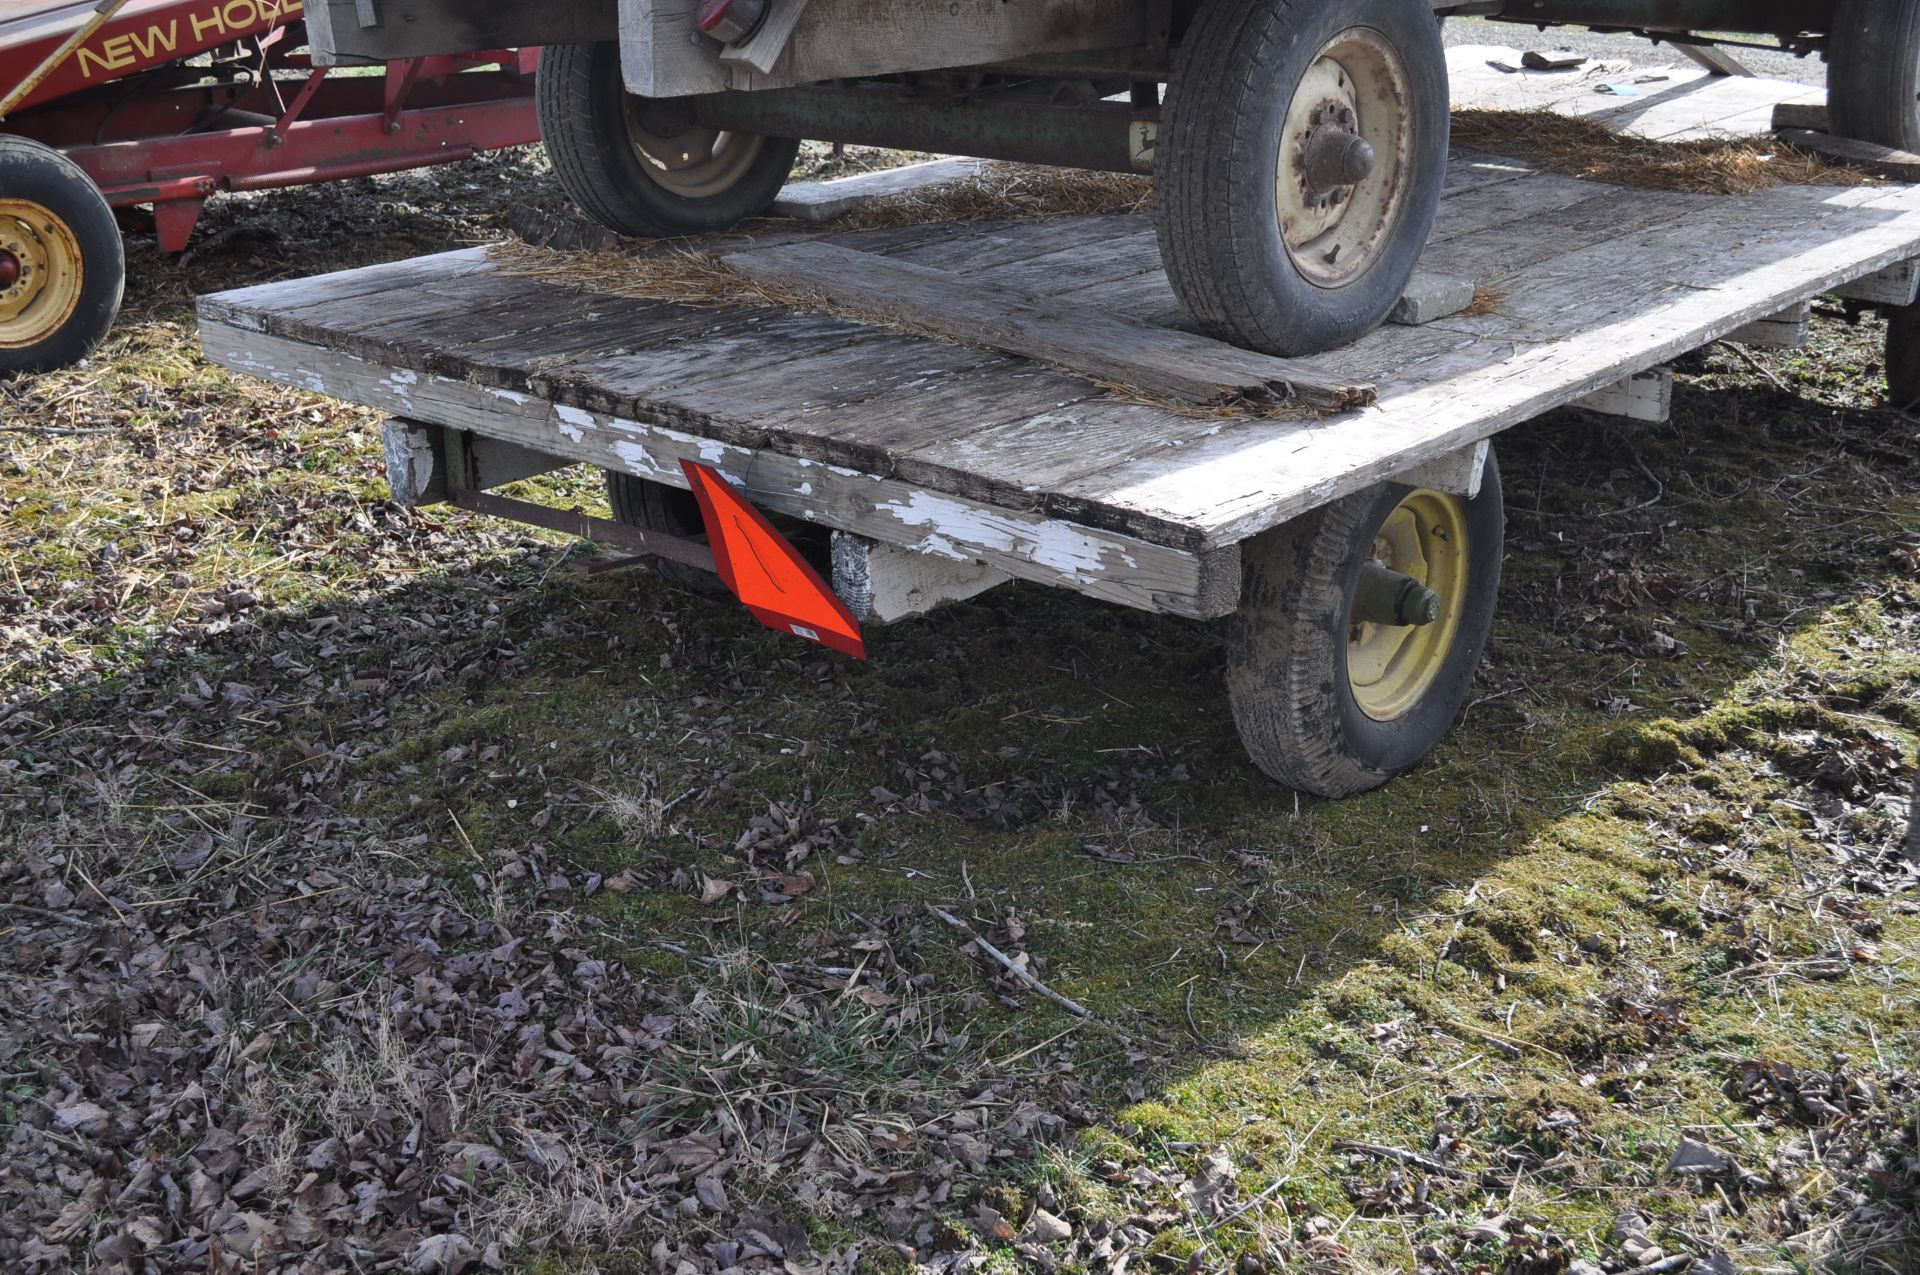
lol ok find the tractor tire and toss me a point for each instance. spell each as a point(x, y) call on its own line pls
point(1303, 153)
point(640, 166)
point(62, 265)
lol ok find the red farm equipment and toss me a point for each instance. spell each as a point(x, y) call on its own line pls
point(122, 104)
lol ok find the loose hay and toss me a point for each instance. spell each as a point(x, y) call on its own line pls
point(1588, 149)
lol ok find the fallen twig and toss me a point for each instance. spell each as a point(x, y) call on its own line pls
point(1409, 1158)
point(1665, 1266)
point(1007, 963)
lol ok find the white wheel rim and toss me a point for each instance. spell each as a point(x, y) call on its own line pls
point(694, 162)
point(1356, 85)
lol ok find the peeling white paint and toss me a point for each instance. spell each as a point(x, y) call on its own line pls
point(514, 397)
point(1055, 545)
point(573, 422)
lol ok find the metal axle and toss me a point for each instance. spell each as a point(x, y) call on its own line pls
point(1385, 596)
point(1105, 136)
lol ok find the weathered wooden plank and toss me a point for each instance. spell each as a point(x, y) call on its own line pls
point(884, 584)
point(1881, 161)
point(1644, 396)
point(989, 245)
point(833, 39)
point(1788, 330)
point(1762, 253)
point(1898, 284)
point(1078, 338)
point(242, 306)
point(1102, 564)
point(823, 201)
point(415, 28)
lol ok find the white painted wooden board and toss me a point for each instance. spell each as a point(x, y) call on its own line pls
point(1102, 564)
point(823, 201)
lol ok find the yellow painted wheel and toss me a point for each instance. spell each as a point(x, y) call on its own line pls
point(1390, 668)
point(62, 266)
point(42, 273)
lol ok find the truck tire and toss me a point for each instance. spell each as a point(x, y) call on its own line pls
point(1330, 704)
point(653, 506)
point(1873, 72)
point(62, 265)
point(1302, 158)
point(640, 166)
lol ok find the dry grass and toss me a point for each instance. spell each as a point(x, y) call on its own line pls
point(1589, 149)
point(1487, 299)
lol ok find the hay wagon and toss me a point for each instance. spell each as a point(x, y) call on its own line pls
point(940, 398)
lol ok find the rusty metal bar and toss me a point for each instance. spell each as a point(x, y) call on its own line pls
point(1768, 17)
point(673, 548)
point(1106, 136)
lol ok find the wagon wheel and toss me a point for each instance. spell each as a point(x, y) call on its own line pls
point(654, 506)
point(1359, 631)
point(62, 266)
point(1304, 151)
point(1873, 72)
point(641, 166)
point(1903, 357)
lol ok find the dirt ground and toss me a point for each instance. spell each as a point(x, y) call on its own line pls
point(381, 893)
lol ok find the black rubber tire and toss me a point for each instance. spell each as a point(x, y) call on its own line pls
point(1903, 356)
point(38, 173)
point(672, 511)
point(1216, 210)
point(1873, 72)
point(581, 100)
point(1287, 646)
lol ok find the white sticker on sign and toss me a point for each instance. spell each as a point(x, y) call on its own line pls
point(1142, 137)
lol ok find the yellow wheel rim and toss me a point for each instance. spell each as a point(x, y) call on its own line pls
point(41, 273)
point(1390, 667)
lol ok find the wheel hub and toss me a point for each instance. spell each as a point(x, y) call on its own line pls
point(1391, 666)
point(1342, 174)
point(41, 273)
point(688, 159)
point(1332, 158)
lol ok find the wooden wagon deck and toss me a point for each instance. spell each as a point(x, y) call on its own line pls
point(977, 455)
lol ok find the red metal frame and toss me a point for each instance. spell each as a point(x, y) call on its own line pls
point(151, 129)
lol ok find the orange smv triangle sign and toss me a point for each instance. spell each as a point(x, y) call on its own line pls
point(767, 573)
